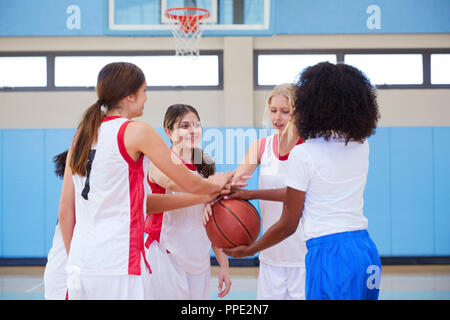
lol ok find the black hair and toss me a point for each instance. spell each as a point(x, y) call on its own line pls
point(60, 163)
point(335, 101)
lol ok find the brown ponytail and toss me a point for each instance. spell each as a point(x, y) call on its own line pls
point(87, 133)
point(115, 81)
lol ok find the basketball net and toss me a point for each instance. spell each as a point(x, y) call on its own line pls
point(187, 29)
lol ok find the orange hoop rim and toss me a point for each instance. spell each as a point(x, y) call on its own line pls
point(179, 17)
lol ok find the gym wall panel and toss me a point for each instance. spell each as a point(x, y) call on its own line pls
point(441, 186)
point(406, 201)
point(56, 141)
point(23, 179)
point(377, 194)
point(1, 193)
point(412, 195)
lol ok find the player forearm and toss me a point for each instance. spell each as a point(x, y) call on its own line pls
point(148, 141)
point(268, 194)
point(264, 194)
point(66, 221)
point(221, 257)
point(167, 202)
point(283, 228)
point(275, 234)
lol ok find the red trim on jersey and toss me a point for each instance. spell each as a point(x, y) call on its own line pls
point(153, 222)
point(190, 166)
point(136, 180)
point(109, 118)
point(123, 150)
point(275, 148)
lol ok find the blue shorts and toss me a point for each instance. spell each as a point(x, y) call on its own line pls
point(342, 266)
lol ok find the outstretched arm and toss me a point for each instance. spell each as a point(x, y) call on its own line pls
point(166, 202)
point(140, 138)
point(283, 228)
point(263, 194)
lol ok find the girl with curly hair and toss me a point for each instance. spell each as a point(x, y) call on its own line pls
point(335, 112)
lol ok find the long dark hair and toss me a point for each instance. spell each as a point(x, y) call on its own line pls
point(205, 164)
point(115, 81)
point(60, 163)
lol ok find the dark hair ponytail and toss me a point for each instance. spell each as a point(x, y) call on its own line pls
point(205, 164)
point(115, 81)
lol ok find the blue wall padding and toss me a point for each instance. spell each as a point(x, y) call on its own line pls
point(407, 197)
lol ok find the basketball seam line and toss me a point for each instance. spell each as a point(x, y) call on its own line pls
point(239, 220)
point(218, 228)
point(253, 208)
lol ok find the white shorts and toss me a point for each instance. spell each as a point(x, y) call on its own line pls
point(55, 278)
point(97, 287)
point(199, 285)
point(281, 283)
point(169, 281)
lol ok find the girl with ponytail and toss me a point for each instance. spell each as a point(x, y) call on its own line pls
point(104, 189)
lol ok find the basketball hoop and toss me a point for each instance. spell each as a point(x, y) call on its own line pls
point(187, 29)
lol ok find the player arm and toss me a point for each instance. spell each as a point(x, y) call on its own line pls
point(263, 194)
point(140, 137)
point(283, 228)
point(224, 272)
point(251, 160)
point(66, 212)
point(166, 202)
point(156, 176)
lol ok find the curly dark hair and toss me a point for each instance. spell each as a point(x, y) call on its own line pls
point(335, 101)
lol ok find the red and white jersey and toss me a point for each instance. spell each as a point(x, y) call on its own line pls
point(108, 238)
point(181, 232)
point(272, 175)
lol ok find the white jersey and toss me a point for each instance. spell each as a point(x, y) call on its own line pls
point(55, 279)
point(108, 238)
point(333, 175)
point(272, 175)
point(181, 232)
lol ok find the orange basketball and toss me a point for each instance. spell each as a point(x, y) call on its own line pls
point(233, 223)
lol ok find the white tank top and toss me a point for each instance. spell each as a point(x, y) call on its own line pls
point(181, 232)
point(109, 231)
point(272, 174)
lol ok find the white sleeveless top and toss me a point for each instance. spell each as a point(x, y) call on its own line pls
point(272, 174)
point(181, 232)
point(108, 238)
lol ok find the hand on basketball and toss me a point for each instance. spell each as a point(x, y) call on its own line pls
point(207, 212)
point(239, 251)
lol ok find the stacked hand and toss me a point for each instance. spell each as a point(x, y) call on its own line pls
point(236, 183)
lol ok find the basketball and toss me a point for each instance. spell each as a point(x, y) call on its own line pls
point(233, 223)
